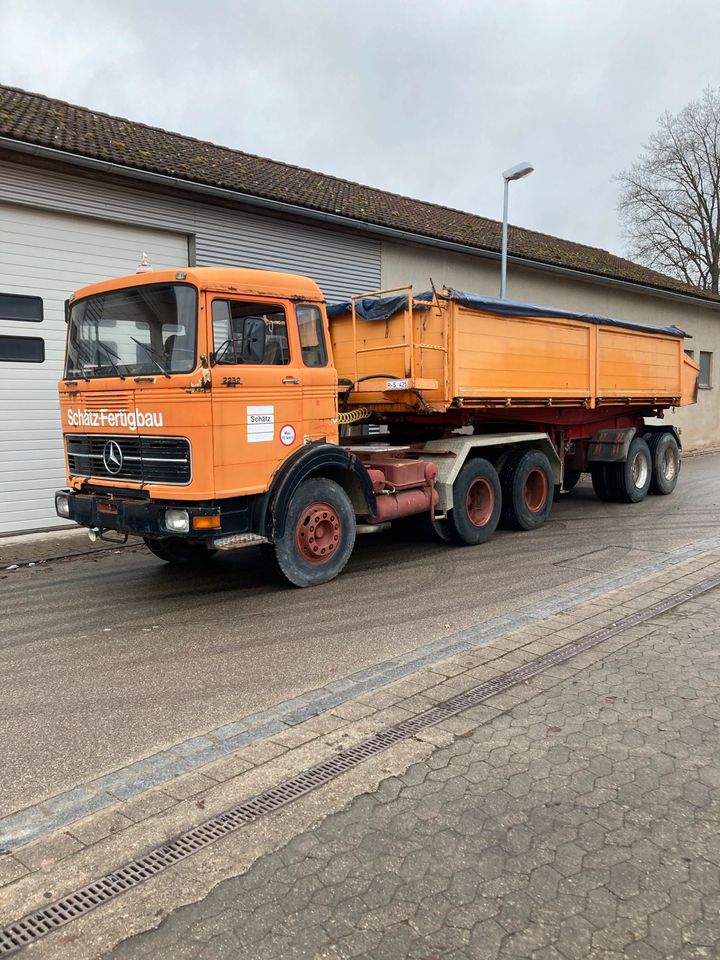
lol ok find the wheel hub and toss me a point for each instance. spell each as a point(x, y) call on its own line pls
point(669, 464)
point(536, 491)
point(639, 470)
point(317, 532)
point(480, 502)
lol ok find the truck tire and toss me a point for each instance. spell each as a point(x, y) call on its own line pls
point(570, 479)
point(600, 481)
point(629, 482)
point(319, 534)
point(665, 459)
point(527, 490)
point(476, 505)
point(178, 551)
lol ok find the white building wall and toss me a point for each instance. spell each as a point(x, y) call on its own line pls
point(341, 263)
point(61, 229)
point(48, 255)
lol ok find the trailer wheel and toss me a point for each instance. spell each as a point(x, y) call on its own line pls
point(570, 479)
point(176, 551)
point(600, 481)
point(665, 459)
point(319, 534)
point(476, 505)
point(629, 482)
point(527, 490)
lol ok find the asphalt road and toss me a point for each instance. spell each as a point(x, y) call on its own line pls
point(109, 658)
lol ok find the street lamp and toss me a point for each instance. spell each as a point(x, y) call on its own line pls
point(517, 172)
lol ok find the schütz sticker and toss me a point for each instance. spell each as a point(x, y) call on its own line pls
point(260, 424)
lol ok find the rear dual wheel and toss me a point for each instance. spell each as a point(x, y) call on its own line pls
point(665, 458)
point(527, 490)
point(476, 505)
point(626, 482)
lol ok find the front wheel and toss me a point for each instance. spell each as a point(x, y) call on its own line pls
point(319, 534)
point(177, 551)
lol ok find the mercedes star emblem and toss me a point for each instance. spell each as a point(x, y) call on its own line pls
point(112, 457)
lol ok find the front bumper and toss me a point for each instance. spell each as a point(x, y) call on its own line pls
point(145, 518)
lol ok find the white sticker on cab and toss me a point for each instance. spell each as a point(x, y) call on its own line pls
point(260, 424)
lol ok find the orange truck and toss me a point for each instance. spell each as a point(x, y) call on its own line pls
point(210, 409)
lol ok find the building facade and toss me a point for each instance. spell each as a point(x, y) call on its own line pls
point(67, 219)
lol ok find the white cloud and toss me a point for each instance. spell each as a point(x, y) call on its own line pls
point(427, 98)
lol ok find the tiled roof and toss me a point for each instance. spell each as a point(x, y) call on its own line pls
point(77, 131)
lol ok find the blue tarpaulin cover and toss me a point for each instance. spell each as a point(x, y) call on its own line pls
point(381, 308)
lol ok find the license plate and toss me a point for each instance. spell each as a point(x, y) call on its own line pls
point(396, 385)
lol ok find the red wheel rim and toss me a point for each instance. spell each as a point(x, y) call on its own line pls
point(536, 490)
point(480, 502)
point(317, 532)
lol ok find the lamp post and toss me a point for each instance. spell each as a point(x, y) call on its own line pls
point(517, 172)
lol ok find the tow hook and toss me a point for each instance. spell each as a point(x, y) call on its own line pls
point(99, 533)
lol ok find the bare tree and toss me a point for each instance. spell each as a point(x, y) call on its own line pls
point(670, 200)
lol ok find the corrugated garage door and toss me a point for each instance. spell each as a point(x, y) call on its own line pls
point(49, 255)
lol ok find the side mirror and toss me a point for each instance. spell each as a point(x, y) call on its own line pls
point(253, 348)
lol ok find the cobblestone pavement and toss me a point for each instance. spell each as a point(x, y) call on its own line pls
point(584, 823)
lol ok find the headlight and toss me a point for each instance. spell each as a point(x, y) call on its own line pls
point(62, 504)
point(177, 521)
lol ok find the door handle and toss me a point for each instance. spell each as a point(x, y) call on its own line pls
point(291, 380)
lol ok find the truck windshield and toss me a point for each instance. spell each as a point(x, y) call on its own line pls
point(144, 330)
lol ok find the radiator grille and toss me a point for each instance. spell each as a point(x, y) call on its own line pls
point(129, 457)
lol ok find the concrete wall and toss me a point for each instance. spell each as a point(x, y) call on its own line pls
point(700, 424)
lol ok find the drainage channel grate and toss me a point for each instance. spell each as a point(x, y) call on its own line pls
point(43, 921)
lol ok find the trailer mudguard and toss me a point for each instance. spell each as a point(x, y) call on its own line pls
point(610, 446)
point(318, 459)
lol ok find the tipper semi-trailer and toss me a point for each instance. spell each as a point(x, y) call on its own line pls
point(208, 409)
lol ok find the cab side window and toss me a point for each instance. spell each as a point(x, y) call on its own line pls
point(312, 336)
point(249, 333)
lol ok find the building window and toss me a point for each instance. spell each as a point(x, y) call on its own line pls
point(16, 307)
point(705, 369)
point(22, 349)
point(691, 354)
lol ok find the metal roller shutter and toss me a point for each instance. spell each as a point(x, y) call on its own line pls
point(49, 255)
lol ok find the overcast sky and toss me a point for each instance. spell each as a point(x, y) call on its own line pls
point(427, 98)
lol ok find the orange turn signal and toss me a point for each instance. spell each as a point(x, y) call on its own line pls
point(206, 523)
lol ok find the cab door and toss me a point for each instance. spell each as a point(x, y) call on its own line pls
point(319, 386)
point(257, 391)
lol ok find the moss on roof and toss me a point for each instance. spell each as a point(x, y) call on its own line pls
point(35, 119)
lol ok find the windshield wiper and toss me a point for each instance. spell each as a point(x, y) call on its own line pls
point(84, 357)
point(110, 354)
point(152, 354)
